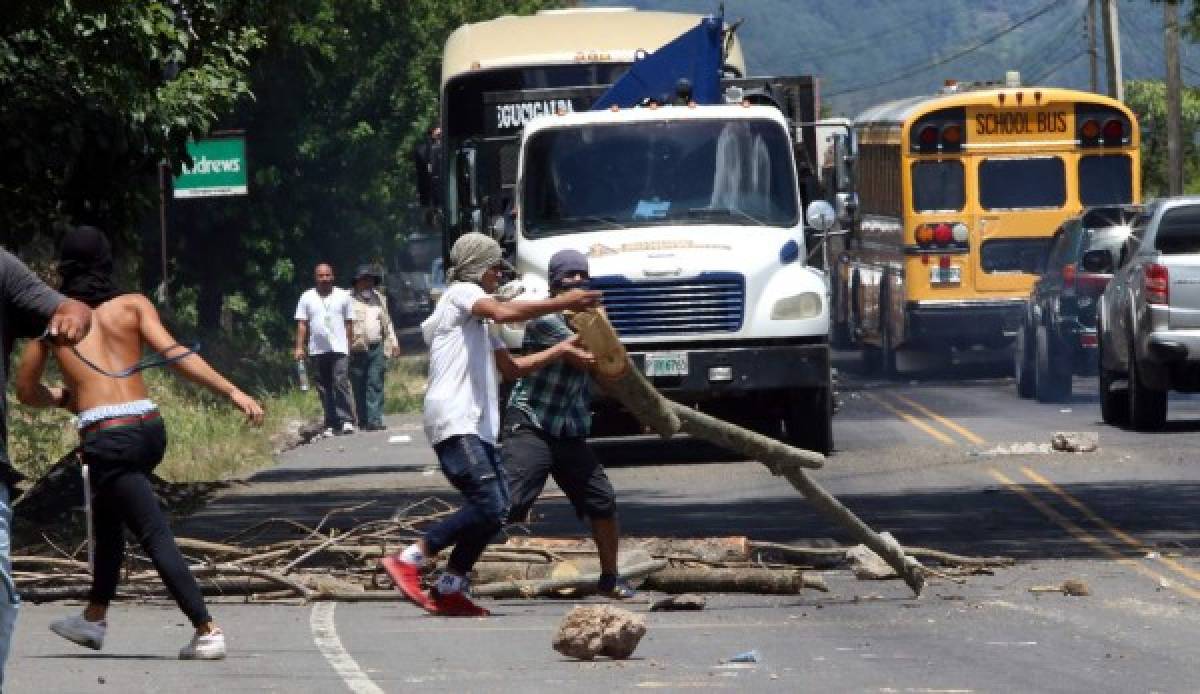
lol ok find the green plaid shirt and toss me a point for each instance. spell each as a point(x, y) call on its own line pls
point(558, 397)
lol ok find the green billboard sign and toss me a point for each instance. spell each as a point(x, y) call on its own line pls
point(218, 168)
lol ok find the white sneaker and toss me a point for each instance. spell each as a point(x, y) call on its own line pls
point(209, 646)
point(78, 630)
point(347, 428)
point(328, 433)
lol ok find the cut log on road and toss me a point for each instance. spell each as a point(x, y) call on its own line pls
point(601, 339)
point(582, 585)
point(762, 581)
point(707, 549)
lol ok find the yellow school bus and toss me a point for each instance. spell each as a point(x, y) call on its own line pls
point(958, 196)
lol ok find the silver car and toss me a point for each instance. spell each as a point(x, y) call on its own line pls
point(1149, 315)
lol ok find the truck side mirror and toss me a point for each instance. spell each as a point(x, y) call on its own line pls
point(820, 215)
point(1098, 260)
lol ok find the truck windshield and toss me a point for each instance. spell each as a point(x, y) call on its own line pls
point(612, 176)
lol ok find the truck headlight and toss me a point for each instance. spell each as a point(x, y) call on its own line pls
point(800, 306)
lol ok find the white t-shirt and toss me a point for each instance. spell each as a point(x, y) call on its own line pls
point(463, 396)
point(326, 316)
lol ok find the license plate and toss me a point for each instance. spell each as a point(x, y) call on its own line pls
point(945, 275)
point(667, 364)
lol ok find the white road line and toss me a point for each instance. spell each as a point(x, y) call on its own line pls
point(326, 637)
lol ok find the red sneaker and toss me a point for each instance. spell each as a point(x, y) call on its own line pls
point(407, 579)
point(456, 604)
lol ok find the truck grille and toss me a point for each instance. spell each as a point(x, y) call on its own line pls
point(710, 303)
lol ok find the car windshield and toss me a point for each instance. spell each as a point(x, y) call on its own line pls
point(614, 176)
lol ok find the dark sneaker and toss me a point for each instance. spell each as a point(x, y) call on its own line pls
point(615, 587)
point(407, 579)
point(457, 604)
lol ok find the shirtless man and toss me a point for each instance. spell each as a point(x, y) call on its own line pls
point(122, 435)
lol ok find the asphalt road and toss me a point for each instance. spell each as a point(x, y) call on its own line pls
point(927, 457)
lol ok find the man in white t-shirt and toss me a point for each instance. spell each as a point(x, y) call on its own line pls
point(324, 323)
point(462, 415)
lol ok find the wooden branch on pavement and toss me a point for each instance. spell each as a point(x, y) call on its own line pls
point(601, 339)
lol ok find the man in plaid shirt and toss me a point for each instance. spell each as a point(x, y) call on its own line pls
point(546, 427)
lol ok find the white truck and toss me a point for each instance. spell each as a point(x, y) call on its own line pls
point(692, 219)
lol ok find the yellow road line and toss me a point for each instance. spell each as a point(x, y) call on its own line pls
point(912, 420)
point(1085, 537)
point(1109, 527)
point(948, 423)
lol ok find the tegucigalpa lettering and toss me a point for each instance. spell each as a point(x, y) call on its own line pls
point(516, 115)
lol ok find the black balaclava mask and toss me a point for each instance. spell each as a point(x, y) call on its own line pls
point(85, 264)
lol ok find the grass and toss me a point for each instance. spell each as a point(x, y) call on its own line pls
point(208, 438)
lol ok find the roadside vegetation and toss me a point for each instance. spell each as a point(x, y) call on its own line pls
point(208, 439)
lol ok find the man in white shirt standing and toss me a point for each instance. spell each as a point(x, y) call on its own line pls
point(462, 415)
point(324, 322)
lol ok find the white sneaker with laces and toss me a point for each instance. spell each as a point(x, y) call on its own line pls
point(347, 428)
point(328, 433)
point(210, 646)
point(79, 630)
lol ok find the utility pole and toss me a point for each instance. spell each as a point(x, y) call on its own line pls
point(1112, 50)
point(1174, 99)
point(1090, 20)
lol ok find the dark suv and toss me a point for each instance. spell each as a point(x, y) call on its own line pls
point(1057, 335)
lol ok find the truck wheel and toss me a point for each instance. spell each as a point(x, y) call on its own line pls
point(1023, 365)
point(1053, 373)
point(809, 420)
point(1114, 404)
point(1147, 406)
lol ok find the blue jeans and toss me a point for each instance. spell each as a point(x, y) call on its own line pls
point(472, 467)
point(9, 600)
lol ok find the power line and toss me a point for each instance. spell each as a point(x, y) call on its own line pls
point(917, 69)
point(1046, 75)
point(869, 39)
point(1051, 47)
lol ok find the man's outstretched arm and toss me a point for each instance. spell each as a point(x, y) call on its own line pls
point(512, 368)
point(193, 367)
point(30, 389)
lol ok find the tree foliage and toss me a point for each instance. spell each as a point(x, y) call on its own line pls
point(1148, 99)
point(343, 91)
point(95, 94)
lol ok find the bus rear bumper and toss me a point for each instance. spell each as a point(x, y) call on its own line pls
point(964, 323)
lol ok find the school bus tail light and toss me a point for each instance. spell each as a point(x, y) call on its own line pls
point(1090, 130)
point(952, 137)
point(1114, 131)
point(928, 137)
point(947, 237)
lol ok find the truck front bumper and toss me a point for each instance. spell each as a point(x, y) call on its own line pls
point(731, 371)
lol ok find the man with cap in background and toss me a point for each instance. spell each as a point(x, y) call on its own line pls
point(546, 425)
point(374, 341)
point(462, 415)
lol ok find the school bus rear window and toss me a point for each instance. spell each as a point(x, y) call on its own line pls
point(1105, 179)
point(938, 185)
point(1022, 183)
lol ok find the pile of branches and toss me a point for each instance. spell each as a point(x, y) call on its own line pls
point(326, 563)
